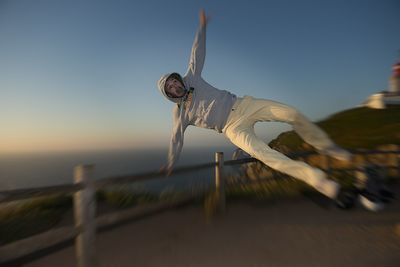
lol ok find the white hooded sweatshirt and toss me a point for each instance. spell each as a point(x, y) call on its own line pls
point(209, 107)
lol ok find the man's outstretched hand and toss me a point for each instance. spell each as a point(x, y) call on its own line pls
point(166, 170)
point(203, 18)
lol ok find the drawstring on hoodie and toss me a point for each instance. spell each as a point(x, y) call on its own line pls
point(185, 97)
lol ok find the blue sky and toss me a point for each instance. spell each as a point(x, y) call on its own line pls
point(82, 74)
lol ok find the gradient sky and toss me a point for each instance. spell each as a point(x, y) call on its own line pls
point(82, 74)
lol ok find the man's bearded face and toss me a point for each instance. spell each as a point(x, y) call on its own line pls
point(174, 88)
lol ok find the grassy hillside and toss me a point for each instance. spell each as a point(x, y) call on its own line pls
point(355, 128)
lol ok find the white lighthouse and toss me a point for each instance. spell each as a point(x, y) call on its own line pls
point(394, 81)
point(392, 96)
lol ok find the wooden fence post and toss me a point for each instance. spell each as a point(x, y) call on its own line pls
point(326, 164)
point(220, 181)
point(84, 211)
point(360, 159)
point(398, 160)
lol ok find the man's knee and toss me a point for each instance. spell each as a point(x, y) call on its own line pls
point(286, 113)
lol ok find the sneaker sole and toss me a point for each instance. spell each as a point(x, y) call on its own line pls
point(370, 205)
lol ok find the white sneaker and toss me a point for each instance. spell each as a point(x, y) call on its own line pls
point(370, 201)
point(338, 153)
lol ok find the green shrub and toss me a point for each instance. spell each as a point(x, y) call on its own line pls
point(29, 217)
point(124, 198)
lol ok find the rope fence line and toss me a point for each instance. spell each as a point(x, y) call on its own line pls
point(84, 189)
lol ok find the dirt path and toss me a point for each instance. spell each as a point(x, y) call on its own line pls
point(285, 233)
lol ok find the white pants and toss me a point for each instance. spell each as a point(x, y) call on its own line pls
point(239, 129)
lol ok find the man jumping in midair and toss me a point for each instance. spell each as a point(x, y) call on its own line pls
point(202, 105)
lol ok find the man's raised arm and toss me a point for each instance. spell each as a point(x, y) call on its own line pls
point(198, 54)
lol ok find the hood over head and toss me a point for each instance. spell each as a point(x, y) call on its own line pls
point(161, 86)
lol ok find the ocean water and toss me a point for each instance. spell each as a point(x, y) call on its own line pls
point(55, 168)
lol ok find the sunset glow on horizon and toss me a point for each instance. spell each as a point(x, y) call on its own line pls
point(82, 75)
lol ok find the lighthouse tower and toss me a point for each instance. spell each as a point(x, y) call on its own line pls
point(390, 97)
point(394, 81)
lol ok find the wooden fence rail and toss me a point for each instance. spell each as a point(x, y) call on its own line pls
point(148, 176)
point(19, 194)
point(86, 225)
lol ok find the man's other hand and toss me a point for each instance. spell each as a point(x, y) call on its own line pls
point(203, 18)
